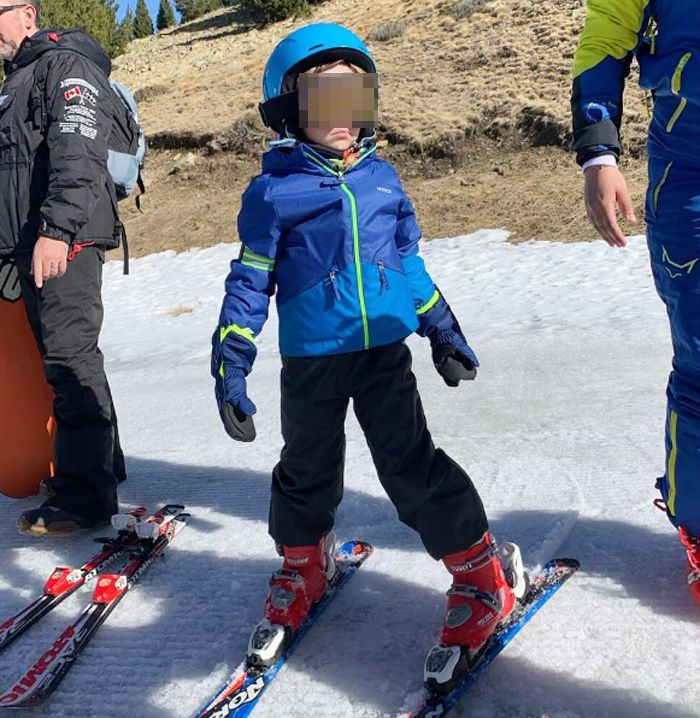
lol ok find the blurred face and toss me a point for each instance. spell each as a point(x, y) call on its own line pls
point(17, 22)
point(334, 105)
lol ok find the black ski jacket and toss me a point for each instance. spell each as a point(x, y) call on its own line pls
point(55, 119)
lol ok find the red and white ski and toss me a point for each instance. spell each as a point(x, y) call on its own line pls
point(65, 581)
point(39, 682)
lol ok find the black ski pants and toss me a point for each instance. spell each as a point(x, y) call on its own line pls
point(66, 318)
point(431, 493)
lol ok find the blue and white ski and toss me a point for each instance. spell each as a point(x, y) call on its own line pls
point(244, 687)
point(543, 585)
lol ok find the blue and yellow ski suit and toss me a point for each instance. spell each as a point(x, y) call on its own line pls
point(665, 37)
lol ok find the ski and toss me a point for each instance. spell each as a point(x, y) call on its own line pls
point(243, 689)
point(543, 585)
point(65, 581)
point(39, 682)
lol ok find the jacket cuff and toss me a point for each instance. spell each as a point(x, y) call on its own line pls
point(607, 159)
point(47, 230)
point(593, 140)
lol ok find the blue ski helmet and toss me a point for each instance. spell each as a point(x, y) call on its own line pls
point(310, 46)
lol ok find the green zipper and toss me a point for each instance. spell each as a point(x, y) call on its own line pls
point(358, 267)
point(676, 77)
point(355, 237)
point(659, 185)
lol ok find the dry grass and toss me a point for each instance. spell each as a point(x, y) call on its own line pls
point(476, 112)
point(179, 311)
point(466, 8)
point(387, 31)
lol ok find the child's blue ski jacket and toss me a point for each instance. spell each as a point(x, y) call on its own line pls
point(338, 247)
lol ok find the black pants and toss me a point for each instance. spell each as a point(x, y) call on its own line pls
point(66, 318)
point(432, 494)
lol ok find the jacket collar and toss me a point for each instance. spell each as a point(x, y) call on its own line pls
point(304, 158)
point(79, 41)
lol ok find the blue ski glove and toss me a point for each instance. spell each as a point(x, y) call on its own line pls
point(229, 361)
point(453, 358)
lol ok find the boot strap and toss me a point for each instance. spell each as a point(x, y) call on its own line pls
point(476, 563)
point(287, 574)
point(472, 592)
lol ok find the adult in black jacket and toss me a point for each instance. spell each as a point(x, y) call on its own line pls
point(57, 216)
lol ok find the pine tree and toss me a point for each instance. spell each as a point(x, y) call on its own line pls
point(166, 15)
point(186, 9)
point(192, 9)
point(143, 25)
point(98, 17)
point(126, 28)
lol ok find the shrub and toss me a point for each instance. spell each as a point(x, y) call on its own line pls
point(466, 8)
point(387, 31)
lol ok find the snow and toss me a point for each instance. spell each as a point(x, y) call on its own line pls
point(562, 433)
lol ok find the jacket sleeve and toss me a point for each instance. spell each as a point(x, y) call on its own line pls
point(251, 281)
point(610, 37)
point(435, 318)
point(78, 124)
point(408, 235)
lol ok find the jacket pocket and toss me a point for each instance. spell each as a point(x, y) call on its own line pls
point(676, 115)
point(6, 134)
point(9, 178)
point(331, 282)
point(384, 284)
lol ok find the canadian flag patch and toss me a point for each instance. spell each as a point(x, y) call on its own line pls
point(73, 92)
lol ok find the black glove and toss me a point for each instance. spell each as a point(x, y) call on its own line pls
point(453, 365)
point(239, 426)
point(235, 408)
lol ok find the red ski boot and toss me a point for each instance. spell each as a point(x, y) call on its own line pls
point(692, 546)
point(480, 599)
point(301, 582)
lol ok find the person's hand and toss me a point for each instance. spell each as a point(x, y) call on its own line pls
point(49, 260)
point(235, 408)
point(606, 189)
point(455, 362)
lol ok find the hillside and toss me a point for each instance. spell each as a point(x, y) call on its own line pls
point(475, 113)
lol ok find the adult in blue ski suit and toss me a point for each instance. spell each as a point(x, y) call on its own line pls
point(664, 35)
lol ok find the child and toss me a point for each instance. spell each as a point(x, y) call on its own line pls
point(329, 229)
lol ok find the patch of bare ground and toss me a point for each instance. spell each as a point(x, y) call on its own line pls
point(474, 110)
point(533, 193)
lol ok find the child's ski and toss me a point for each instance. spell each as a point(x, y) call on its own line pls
point(39, 682)
point(543, 585)
point(65, 581)
point(244, 687)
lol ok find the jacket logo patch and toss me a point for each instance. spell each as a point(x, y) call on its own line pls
point(73, 92)
point(79, 82)
point(677, 269)
point(386, 190)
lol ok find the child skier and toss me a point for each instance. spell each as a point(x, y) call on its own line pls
point(328, 228)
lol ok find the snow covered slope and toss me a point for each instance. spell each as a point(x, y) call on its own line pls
point(561, 432)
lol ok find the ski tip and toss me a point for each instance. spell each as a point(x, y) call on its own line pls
point(353, 551)
point(571, 563)
point(172, 508)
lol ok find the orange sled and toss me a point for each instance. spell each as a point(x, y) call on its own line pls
point(26, 421)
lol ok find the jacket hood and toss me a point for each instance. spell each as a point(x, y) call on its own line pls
point(44, 41)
